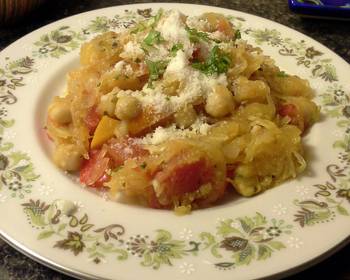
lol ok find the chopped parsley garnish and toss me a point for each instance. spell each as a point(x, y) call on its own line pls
point(175, 48)
point(217, 62)
point(152, 38)
point(282, 74)
point(195, 36)
point(238, 34)
point(143, 165)
point(155, 69)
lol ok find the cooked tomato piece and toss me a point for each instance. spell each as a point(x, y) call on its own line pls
point(92, 119)
point(180, 177)
point(122, 149)
point(152, 199)
point(93, 171)
point(230, 170)
point(196, 55)
point(100, 182)
point(289, 110)
point(292, 112)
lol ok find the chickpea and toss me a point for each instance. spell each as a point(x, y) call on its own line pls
point(59, 112)
point(246, 186)
point(67, 157)
point(245, 181)
point(185, 117)
point(220, 102)
point(128, 107)
point(107, 104)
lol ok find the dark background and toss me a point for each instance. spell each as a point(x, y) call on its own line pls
point(333, 34)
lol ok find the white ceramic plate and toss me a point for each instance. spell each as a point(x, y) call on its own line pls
point(275, 232)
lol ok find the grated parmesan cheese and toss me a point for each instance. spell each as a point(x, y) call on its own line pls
point(158, 53)
point(118, 67)
point(178, 64)
point(128, 70)
point(121, 68)
point(132, 50)
point(163, 134)
point(172, 27)
point(217, 35)
point(149, 98)
point(194, 85)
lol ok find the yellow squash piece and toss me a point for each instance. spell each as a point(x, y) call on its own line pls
point(104, 131)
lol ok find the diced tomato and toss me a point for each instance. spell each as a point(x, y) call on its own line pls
point(119, 150)
point(196, 55)
point(292, 112)
point(100, 182)
point(93, 171)
point(92, 119)
point(181, 177)
point(152, 199)
point(289, 110)
point(230, 170)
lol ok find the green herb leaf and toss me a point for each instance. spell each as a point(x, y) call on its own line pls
point(153, 37)
point(196, 36)
point(143, 165)
point(238, 34)
point(282, 74)
point(175, 48)
point(216, 63)
point(155, 69)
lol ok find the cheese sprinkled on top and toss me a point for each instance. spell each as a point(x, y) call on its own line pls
point(162, 134)
point(132, 50)
point(168, 46)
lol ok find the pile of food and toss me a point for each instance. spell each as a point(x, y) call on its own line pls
point(176, 110)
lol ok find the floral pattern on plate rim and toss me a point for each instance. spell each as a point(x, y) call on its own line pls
point(237, 241)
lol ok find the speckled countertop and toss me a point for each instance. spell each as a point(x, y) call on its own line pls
point(333, 34)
